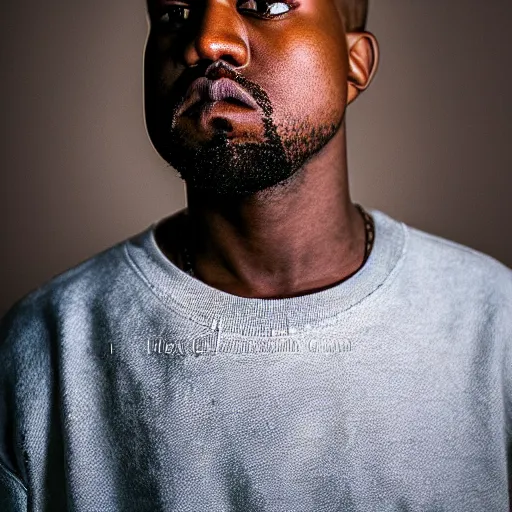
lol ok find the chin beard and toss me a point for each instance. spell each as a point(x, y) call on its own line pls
point(226, 168)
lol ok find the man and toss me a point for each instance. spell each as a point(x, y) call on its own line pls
point(272, 347)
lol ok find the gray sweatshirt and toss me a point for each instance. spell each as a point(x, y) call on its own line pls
point(128, 385)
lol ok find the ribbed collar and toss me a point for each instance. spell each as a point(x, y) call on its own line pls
point(214, 308)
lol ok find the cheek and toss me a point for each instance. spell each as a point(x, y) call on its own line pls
point(305, 75)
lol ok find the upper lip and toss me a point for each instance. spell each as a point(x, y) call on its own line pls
point(204, 89)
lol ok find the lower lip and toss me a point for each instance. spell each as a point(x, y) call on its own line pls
point(204, 112)
point(202, 108)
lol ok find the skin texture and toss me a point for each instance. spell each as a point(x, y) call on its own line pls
point(267, 189)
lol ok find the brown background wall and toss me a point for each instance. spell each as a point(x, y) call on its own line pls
point(429, 142)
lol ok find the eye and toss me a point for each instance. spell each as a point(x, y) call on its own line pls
point(174, 17)
point(266, 9)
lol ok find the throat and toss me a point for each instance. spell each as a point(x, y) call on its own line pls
point(267, 276)
point(320, 269)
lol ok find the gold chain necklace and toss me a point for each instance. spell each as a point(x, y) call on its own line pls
point(369, 237)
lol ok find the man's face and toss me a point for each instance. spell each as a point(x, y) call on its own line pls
point(290, 57)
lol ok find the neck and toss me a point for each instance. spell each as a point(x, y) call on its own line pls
point(292, 240)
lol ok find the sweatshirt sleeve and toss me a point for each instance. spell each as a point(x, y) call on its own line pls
point(507, 383)
point(13, 487)
point(13, 494)
point(507, 366)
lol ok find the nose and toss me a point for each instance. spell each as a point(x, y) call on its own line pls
point(221, 34)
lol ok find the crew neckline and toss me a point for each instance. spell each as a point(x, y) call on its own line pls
point(214, 308)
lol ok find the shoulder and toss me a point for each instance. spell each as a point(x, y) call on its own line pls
point(75, 289)
point(462, 271)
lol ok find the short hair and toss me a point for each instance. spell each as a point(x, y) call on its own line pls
point(354, 13)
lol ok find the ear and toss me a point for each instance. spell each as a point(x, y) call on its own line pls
point(363, 59)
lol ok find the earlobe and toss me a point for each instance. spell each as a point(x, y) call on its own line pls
point(363, 58)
